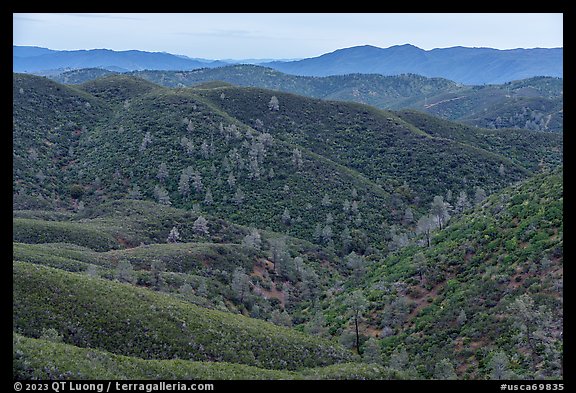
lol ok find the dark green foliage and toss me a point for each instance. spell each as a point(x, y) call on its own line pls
point(385, 149)
point(527, 148)
point(534, 103)
point(479, 265)
point(97, 270)
point(124, 320)
point(38, 231)
point(40, 359)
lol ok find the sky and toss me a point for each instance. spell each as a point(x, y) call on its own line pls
point(283, 35)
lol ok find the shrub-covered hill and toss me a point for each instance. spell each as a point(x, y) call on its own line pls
point(530, 149)
point(171, 146)
point(313, 169)
point(534, 103)
point(384, 148)
point(262, 274)
point(487, 295)
point(49, 358)
point(372, 89)
point(122, 319)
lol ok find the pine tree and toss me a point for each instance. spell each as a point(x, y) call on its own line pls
point(157, 268)
point(145, 141)
point(499, 366)
point(197, 182)
point(184, 184)
point(327, 234)
point(238, 197)
point(479, 195)
point(399, 359)
point(240, 284)
point(187, 145)
point(317, 325)
point(190, 126)
point(408, 216)
point(231, 180)
point(286, 219)
point(439, 210)
point(125, 272)
point(356, 304)
point(346, 240)
point(274, 104)
point(425, 226)
point(462, 202)
point(297, 158)
point(252, 240)
point(134, 192)
point(357, 265)
point(461, 320)
point(162, 195)
point(317, 234)
point(208, 198)
point(279, 254)
point(200, 226)
point(162, 172)
point(536, 327)
point(173, 236)
point(420, 264)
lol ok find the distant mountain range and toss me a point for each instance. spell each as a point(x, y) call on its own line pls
point(471, 66)
point(464, 65)
point(35, 59)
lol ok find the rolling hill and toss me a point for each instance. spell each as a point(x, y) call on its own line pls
point(183, 232)
point(535, 103)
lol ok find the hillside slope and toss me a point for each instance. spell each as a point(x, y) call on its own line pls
point(227, 151)
point(490, 283)
point(534, 103)
point(191, 230)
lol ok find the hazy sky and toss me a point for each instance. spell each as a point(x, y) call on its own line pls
point(283, 35)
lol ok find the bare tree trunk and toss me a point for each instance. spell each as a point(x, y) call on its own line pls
point(357, 335)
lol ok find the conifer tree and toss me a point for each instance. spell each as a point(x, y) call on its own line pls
point(356, 304)
point(184, 184)
point(274, 104)
point(125, 272)
point(173, 236)
point(444, 370)
point(240, 284)
point(162, 172)
point(200, 226)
